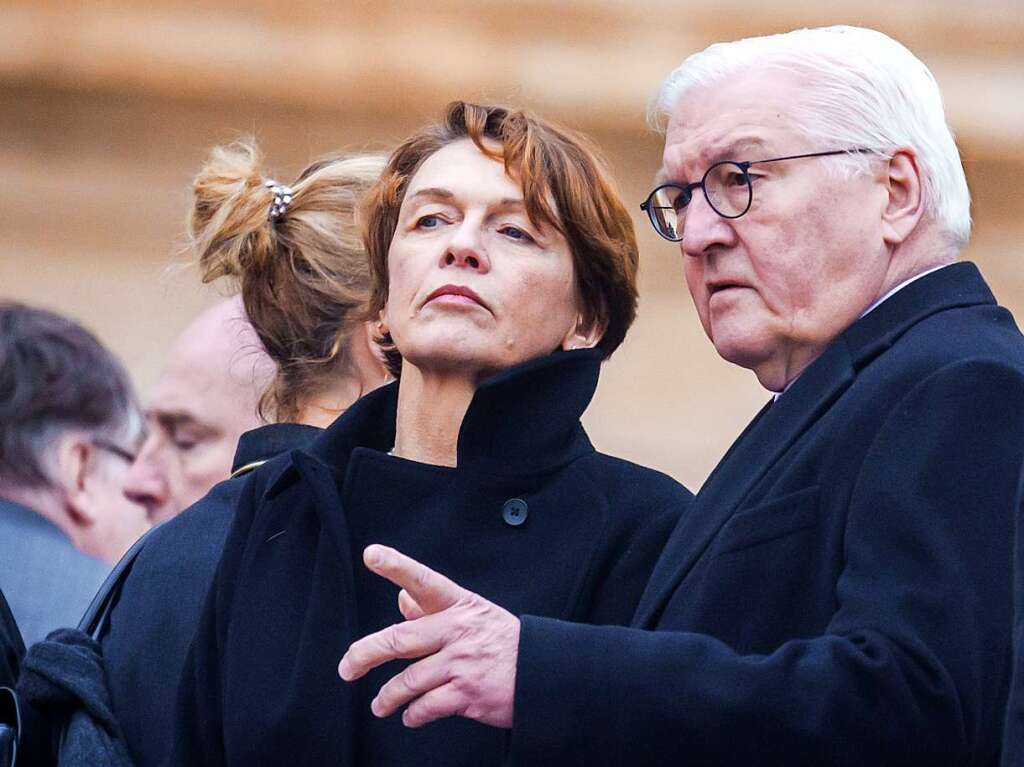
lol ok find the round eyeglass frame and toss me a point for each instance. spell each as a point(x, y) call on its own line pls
point(686, 190)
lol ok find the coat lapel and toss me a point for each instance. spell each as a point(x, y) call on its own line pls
point(777, 427)
point(761, 444)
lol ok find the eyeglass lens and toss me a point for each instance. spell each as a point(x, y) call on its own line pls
point(726, 187)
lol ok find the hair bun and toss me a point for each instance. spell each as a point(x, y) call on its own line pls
point(229, 226)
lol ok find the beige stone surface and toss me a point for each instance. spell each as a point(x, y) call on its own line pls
point(107, 108)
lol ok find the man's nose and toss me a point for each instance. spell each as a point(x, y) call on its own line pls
point(466, 247)
point(146, 484)
point(703, 229)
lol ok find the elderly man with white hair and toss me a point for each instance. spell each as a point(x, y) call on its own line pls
point(840, 592)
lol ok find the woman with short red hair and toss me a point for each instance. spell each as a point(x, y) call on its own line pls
point(504, 273)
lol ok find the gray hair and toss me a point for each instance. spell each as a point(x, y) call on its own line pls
point(55, 376)
point(862, 90)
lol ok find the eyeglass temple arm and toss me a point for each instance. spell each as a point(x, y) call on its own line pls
point(810, 154)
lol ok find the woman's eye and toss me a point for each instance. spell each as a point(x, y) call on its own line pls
point(431, 221)
point(515, 233)
point(737, 179)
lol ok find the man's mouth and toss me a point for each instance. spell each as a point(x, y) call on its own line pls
point(719, 287)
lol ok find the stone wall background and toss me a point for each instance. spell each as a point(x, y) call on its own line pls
point(107, 109)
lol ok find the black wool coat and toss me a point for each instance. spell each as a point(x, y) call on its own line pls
point(152, 624)
point(1013, 730)
point(533, 518)
point(11, 646)
point(840, 592)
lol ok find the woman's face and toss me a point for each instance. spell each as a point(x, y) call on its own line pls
point(474, 285)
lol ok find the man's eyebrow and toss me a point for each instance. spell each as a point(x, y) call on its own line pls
point(733, 149)
point(171, 419)
point(730, 151)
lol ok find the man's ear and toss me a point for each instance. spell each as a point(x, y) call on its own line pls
point(905, 203)
point(75, 455)
point(583, 335)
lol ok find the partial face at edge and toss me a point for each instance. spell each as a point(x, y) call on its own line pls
point(199, 408)
point(474, 285)
point(774, 287)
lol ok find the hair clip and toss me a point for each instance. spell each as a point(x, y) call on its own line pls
point(282, 197)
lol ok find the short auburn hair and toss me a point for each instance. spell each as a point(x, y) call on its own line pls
point(566, 184)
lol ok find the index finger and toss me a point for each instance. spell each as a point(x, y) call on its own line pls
point(430, 590)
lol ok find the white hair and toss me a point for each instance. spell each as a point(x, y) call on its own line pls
point(863, 90)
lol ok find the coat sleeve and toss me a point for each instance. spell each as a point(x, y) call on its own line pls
point(912, 666)
point(198, 730)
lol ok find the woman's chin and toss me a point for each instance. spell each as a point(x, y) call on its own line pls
point(475, 362)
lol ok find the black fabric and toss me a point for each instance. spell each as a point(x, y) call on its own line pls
point(840, 591)
point(63, 678)
point(11, 651)
point(11, 647)
point(261, 685)
point(1013, 731)
point(152, 623)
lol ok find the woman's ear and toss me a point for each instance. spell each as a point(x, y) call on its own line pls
point(368, 355)
point(583, 335)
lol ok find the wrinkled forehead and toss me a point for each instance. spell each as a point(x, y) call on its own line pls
point(749, 117)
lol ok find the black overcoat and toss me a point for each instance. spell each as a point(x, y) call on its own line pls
point(152, 624)
point(839, 592)
point(532, 518)
point(1013, 731)
point(11, 646)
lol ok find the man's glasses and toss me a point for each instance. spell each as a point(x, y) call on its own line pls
point(110, 447)
point(726, 186)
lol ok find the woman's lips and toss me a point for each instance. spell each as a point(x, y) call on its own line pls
point(456, 295)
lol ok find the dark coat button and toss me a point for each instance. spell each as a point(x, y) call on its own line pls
point(515, 511)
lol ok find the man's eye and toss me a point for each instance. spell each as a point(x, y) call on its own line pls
point(681, 200)
point(184, 442)
point(515, 233)
point(736, 179)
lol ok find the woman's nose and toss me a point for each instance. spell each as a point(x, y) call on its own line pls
point(466, 248)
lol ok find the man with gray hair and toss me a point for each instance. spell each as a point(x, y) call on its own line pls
point(69, 429)
point(839, 593)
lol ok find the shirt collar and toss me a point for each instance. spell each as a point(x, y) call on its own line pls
point(875, 305)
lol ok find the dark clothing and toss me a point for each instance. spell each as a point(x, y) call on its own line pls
point(532, 518)
point(840, 591)
point(152, 624)
point(11, 647)
point(63, 676)
point(1013, 731)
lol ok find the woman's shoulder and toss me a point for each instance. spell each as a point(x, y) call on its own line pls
point(619, 475)
point(641, 485)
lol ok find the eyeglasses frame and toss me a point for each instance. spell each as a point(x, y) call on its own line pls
point(744, 166)
point(111, 447)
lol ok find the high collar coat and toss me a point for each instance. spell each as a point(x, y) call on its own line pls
point(839, 594)
point(532, 518)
